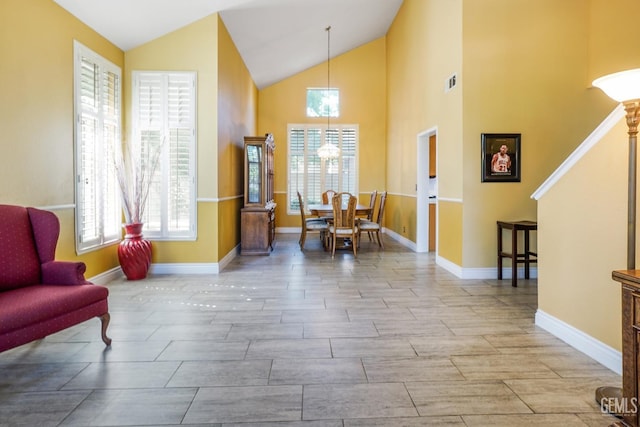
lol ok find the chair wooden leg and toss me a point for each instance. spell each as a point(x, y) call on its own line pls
point(105, 319)
point(333, 246)
point(355, 243)
point(303, 237)
point(379, 237)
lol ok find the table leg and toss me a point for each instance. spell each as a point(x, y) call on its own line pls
point(526, 254)
point(514, 257)
point(499, 252)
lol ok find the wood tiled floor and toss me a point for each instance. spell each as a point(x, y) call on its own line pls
point(298, 339)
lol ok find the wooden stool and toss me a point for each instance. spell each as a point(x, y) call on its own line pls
point(516, 258)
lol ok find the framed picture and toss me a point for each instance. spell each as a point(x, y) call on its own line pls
point(500, 157)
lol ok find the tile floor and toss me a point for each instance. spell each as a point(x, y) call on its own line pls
point(296, 339)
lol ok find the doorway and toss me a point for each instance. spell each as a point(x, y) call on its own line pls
point(427, 191)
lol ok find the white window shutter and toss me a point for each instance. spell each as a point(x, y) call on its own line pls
point(164, 105)
point(98, 95)
point(305, 172)
point(111, 134)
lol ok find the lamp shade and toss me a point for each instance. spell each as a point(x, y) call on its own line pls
point(621, 86)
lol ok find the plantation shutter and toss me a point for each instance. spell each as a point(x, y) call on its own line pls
point(331, 169)
point(150, 131)
point(296, 166)
point(97, 105)
point(111, 91)
point(89, 140)
point(348, 146)
point(181, 107)
point(306, 173)
point(313, 190)
point(164, 119)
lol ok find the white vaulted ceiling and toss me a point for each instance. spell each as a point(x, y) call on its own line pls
point(276, 38)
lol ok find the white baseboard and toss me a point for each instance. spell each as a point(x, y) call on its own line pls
point(452, 268)
point(289, 230)
point(482, 273)
point(107, 276)
point(400, 239)
point(229, 257)
point(159, 268)
point(195, 268)
point(492, 273)
point(595, 349)
point(175, 268)
point(185, 268)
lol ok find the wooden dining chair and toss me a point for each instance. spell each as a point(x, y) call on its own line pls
point(372, 204)
point(344, 225)
point(374, 227)
point(327, 196)
point(311, 225)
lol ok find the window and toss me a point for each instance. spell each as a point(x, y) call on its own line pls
point(310, 175)
point(97, 101)
point(323, 103)
point(164, 120)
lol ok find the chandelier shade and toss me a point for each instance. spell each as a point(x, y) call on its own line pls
point(328, 151)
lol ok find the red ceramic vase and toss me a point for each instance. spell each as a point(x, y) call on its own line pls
point(134, 253)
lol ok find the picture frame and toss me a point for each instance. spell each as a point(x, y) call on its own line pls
point(500, 157)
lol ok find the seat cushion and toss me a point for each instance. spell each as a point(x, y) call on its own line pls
point(316, 224)
point(368, 225)
point(25, 306)
point(19, 262)
point(343, 231)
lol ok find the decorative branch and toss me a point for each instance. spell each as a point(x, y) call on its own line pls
point(135, 179)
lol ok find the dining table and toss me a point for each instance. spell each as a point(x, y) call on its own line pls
point(324, 210)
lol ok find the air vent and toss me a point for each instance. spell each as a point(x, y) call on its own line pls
point(450, 83)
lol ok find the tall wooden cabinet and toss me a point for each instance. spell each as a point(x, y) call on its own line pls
point(258, 216)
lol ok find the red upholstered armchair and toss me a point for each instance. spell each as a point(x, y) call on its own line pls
point(39, 295)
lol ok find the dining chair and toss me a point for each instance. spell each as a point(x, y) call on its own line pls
point(372, 227)
point(344, 225)
point(372, 204)
point(327, 196)
point(311, 225)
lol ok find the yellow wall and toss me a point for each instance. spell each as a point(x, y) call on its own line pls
point(582, 218)
point(237, 116)
point(36, 114)
point(360, 76)
point(525, 71)
point(583, 238)
point(191, 48)
point(612, 32)
point(449, 220)
point(227, 99)
point(424, 48)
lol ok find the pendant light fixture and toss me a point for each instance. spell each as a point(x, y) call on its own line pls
point(328, 150)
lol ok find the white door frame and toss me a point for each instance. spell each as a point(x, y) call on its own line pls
point(422, 187)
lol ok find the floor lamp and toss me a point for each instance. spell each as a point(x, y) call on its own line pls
point(624, 87)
